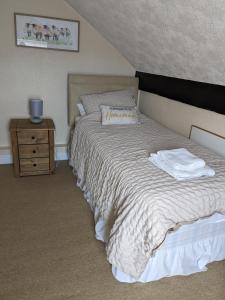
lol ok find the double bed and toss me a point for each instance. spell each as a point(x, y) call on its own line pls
point(152, 225)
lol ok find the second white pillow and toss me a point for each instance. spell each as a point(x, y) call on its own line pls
point(92, 102)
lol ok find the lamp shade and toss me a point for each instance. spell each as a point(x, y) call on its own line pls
point(36, 110)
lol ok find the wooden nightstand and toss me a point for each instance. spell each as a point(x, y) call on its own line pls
point(32, 147)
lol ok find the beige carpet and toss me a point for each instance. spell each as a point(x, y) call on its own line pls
point(48, 249)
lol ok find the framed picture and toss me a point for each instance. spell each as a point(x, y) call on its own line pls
point(46, 32)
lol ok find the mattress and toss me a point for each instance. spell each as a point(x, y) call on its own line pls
point(139, 203)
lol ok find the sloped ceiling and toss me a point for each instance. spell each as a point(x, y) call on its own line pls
point(178, 38)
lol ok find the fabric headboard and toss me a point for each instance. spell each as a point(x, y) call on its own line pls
point(88, 84)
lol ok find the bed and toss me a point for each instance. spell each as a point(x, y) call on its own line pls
point(152, 225)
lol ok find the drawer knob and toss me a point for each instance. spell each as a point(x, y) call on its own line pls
point(33, 137)
point(34, 165)
point(34, 151)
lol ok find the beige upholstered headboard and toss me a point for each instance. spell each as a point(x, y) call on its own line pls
point(87, 84)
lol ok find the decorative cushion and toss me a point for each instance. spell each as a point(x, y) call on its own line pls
point(92, 102)
point(112, 115)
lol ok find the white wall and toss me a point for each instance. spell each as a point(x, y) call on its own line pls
point(179, 116)
point(27, 72)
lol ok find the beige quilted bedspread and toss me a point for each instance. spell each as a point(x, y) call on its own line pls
point(139, 202)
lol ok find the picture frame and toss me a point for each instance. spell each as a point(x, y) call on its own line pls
point(43, 32)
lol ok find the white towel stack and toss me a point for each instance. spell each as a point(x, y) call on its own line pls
point(181, 164)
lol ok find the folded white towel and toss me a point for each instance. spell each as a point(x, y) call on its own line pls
point(180, 174)
point(181, 159)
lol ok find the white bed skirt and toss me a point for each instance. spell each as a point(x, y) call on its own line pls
point(186, 251)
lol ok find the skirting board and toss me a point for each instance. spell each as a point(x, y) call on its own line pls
point(6, 157)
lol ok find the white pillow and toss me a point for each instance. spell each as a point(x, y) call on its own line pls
point(119, 115)
point(81, 109)
point(92, 102)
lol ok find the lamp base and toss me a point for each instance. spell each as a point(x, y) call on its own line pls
point(36, 120)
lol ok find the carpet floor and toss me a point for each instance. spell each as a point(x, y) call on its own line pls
point(48, 249)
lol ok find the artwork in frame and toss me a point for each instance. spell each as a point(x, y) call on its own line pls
point(46, 32)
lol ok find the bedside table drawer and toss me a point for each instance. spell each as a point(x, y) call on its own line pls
point(34, 164)
point(32, 137)
point(29, 151)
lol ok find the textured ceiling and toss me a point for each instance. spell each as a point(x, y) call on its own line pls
point(179, 38)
